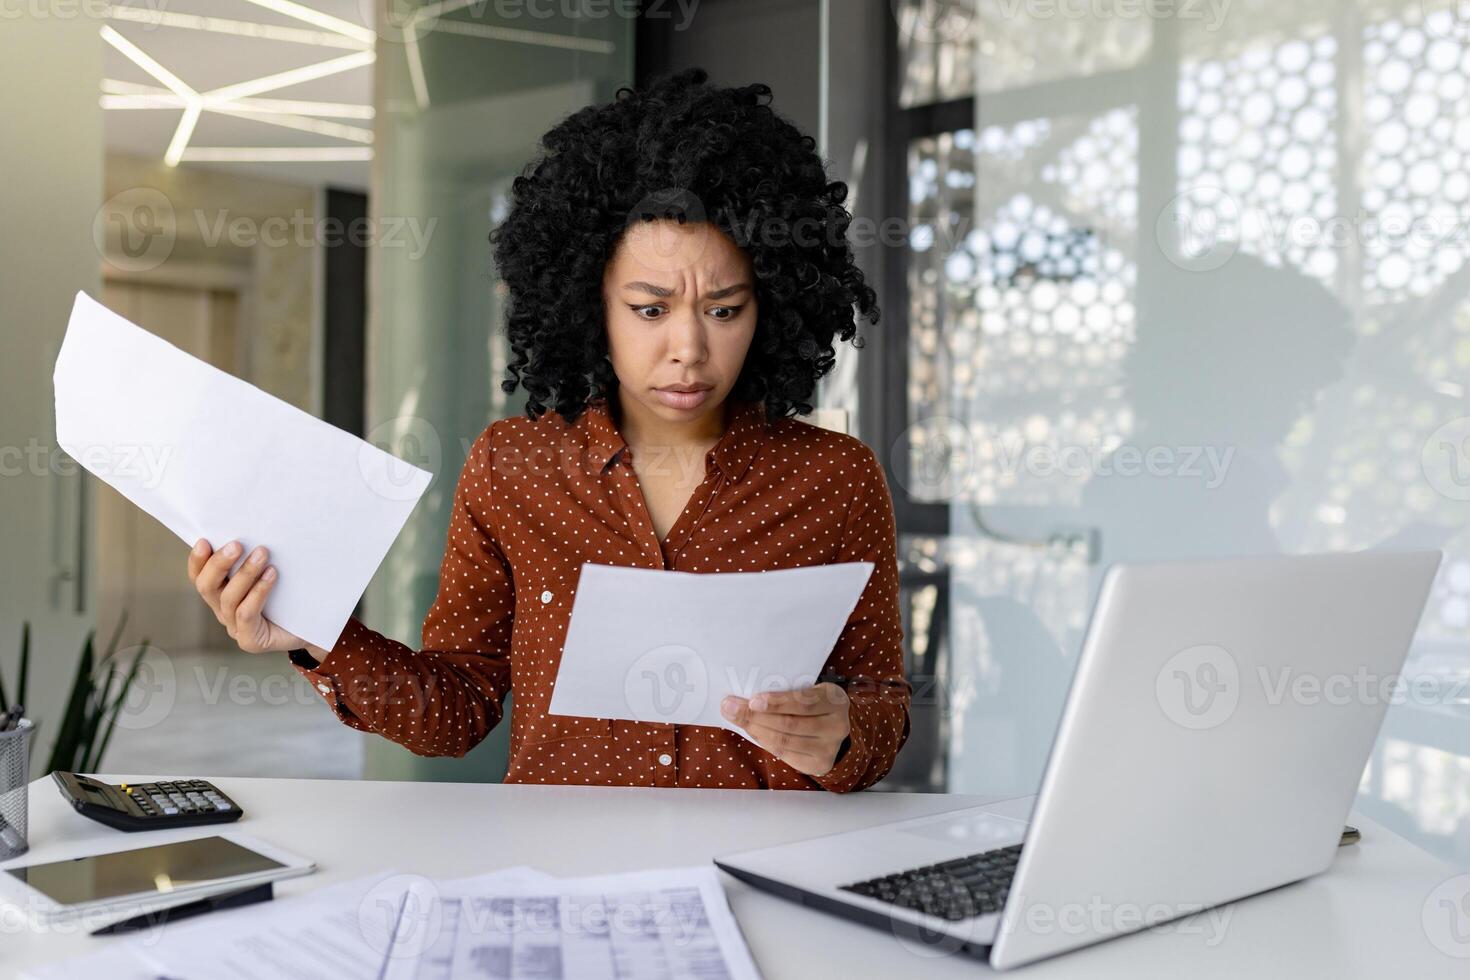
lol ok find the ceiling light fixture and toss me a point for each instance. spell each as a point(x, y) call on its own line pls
point(224, 99)
point(236, 28)
point(321, 127)
point(175, 84)
point(279, 154)
point(294, 76)
point(306, 14)
point(131, 95)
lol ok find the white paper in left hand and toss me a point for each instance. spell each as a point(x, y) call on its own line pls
point(211, 456)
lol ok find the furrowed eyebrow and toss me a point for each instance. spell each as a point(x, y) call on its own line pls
point(728, 291)
point(650, 288)
point(665, 292)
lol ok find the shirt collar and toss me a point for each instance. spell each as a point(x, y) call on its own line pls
point(733, 453)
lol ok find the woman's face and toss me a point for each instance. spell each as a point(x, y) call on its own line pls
point(680, 312)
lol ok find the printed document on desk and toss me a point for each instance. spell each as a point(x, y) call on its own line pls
point(646, 925)
point(213, 457)
point(506, 925)
point(667, 647)
point(341, 932)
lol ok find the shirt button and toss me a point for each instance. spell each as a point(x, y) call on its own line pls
point(325, 689)
point(665, 759)
point(545, 597)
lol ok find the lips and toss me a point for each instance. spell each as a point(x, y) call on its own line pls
point(683, 398)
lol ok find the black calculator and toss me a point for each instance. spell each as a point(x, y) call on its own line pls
point(147, 806)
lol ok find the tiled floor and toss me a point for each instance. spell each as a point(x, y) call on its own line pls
point(227, 713)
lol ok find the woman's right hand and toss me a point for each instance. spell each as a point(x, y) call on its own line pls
point(237, 601)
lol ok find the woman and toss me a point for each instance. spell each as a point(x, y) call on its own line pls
point(677, 271)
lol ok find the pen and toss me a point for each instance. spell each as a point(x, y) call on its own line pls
point(159, 917)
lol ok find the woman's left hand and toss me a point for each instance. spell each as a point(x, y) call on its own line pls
point(804, 729)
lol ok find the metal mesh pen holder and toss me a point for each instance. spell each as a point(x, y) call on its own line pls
point(15, 754)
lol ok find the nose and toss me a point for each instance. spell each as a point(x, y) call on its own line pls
point(686, 339)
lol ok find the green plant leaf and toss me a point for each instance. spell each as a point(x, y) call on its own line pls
point(64, 751)
point(122, 620)
point(117, 703)
point(97, 699)
point(92, 717)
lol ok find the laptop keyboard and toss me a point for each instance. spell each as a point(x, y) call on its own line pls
point(954, 890)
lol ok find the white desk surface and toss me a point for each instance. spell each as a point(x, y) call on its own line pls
point(1363, 918)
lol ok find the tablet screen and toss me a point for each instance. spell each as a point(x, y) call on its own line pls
point(157, 869)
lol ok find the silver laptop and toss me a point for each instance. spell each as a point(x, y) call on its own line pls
point(1211, 746)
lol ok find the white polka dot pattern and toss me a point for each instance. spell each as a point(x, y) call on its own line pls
point(537, 499)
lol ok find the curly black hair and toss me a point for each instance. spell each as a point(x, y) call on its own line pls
point(686, 150)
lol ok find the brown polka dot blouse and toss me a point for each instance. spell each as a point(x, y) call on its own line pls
point(537, 499)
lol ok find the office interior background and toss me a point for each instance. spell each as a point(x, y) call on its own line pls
point(1189, 282)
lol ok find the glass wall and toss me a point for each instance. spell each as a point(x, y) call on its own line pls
point(1186, 286)
point(464, 91)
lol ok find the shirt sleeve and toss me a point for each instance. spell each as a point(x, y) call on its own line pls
point(869, 651)
point(444, 698)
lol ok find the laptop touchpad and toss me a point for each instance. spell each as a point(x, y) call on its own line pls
point(975, 827)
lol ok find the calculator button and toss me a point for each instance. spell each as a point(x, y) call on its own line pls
point(222, 806)
point(170, 810)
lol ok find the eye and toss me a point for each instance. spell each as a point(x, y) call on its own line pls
point(650, 312)
point(725, 312)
